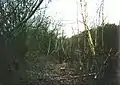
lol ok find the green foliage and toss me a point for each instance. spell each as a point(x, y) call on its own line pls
point(29, 44)
point(13, 17)
point(41, 42)
point(40, 38)
point(105, 59)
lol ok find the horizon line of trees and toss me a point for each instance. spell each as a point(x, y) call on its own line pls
point(27, 45)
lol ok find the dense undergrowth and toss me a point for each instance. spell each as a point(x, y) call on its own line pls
point(68, 63)
point(33, 52)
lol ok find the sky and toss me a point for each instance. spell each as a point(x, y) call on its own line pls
point(66, 12)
